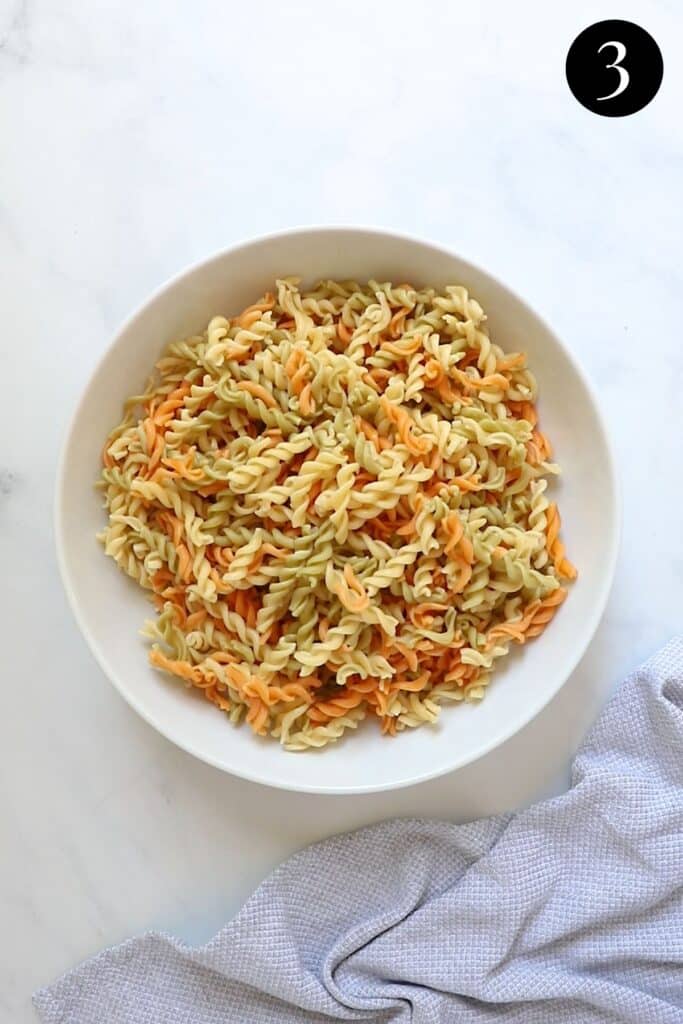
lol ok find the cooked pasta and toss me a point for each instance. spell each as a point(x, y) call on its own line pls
point(337, 500)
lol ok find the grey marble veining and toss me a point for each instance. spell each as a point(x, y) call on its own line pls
point(137, 138)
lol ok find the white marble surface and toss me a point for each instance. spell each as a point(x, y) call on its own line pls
point(137, 138)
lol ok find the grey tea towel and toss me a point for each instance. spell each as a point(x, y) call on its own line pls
point(570, 911)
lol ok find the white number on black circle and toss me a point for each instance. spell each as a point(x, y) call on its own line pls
point(624, 77)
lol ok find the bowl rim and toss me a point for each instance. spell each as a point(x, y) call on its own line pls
point(507, 730)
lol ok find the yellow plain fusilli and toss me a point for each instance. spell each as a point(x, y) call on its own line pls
point(338, 502)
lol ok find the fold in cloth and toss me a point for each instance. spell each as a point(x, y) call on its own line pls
point(569, 911)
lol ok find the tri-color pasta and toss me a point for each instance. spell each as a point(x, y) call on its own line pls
point(338, 501)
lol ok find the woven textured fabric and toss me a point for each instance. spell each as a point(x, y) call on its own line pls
point(569, 911)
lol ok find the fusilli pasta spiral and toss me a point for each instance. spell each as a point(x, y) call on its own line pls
point(338, 502)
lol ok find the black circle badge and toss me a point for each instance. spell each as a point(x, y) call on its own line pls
point(614, 68)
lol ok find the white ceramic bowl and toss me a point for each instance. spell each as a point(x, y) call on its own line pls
point(110, 609)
